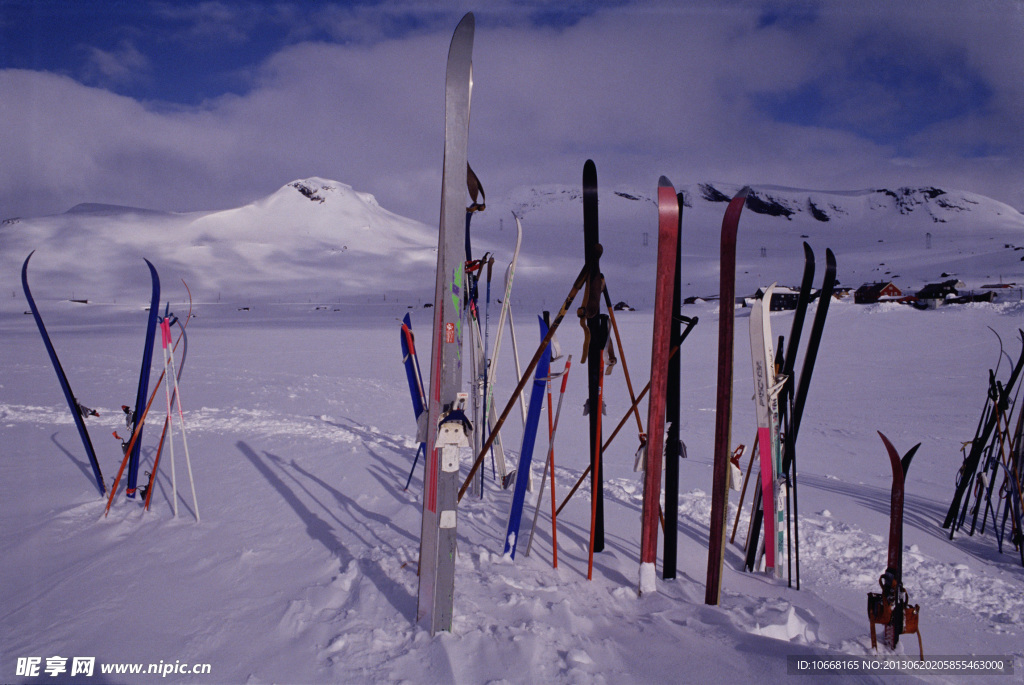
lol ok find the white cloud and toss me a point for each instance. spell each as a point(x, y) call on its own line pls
point(644, 93)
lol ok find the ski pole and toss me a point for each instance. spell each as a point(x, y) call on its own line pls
point(625, 367)
point(169, 423)
point(184, 356)
point(743, 492)
point(553, 426)
point(131, 443)
point(165, 327)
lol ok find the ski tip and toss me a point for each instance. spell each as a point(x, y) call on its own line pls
point(663, 182)
point(467, 21)
point(589, 175)
point(744, 191)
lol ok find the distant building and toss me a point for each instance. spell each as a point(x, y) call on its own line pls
point(935, 294)
point(869, 293)
point(783, 298)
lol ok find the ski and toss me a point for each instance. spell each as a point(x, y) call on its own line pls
point(600, 333)
point(413, 373)
point(590, 319)
point(505, 315)
point(784, 399)
point(537, 393)
point(668, 237)
point(800, 396)
point(891, 607)
point(673, 445)
point(447, 426)
point(78, 411)
point(131, 414)
point(766, 388)
point(723, 402)
point(813, 343)
point(996, 404)
point(414, 376)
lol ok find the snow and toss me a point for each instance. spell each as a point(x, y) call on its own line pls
point(301, 434)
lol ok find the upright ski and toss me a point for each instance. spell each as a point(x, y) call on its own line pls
point(723, 408)
point(891, 607)
point(78, 411)
point(590, 318)
point(673, 445)
point(132, 414)
point(766, 389)
point(668, 237)
point(447, 426)
point(417, 392)
point(537, 393)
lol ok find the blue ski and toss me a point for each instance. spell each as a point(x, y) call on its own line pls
point(132, 415)
point(415, 378)
point(77, 410)
point(529, 438)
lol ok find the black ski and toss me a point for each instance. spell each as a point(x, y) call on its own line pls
point(997, 404)
point(591, 318)
point(673, 445)
point(78, 412)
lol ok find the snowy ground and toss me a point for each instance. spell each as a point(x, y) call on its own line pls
point(303, 568)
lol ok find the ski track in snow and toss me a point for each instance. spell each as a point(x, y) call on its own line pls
point(254, 422)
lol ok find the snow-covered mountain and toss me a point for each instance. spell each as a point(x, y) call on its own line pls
point(317, 240)
point(312, 239)
point(910, 235)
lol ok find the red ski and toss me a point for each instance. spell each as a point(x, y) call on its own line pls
point(668, 237)
point(723, 410)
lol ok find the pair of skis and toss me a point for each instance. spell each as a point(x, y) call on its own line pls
point(780, 408)
point(79, 411)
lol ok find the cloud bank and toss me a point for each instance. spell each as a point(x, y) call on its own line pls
point(816, 95)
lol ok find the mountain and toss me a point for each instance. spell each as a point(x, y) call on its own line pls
point(910, 235)
point(311, 239)
point(317, 240)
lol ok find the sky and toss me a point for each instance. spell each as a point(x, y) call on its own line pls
point(185, 106)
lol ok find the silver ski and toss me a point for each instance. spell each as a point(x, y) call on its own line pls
point(441, 474)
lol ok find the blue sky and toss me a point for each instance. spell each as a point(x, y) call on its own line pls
point(202, 105)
